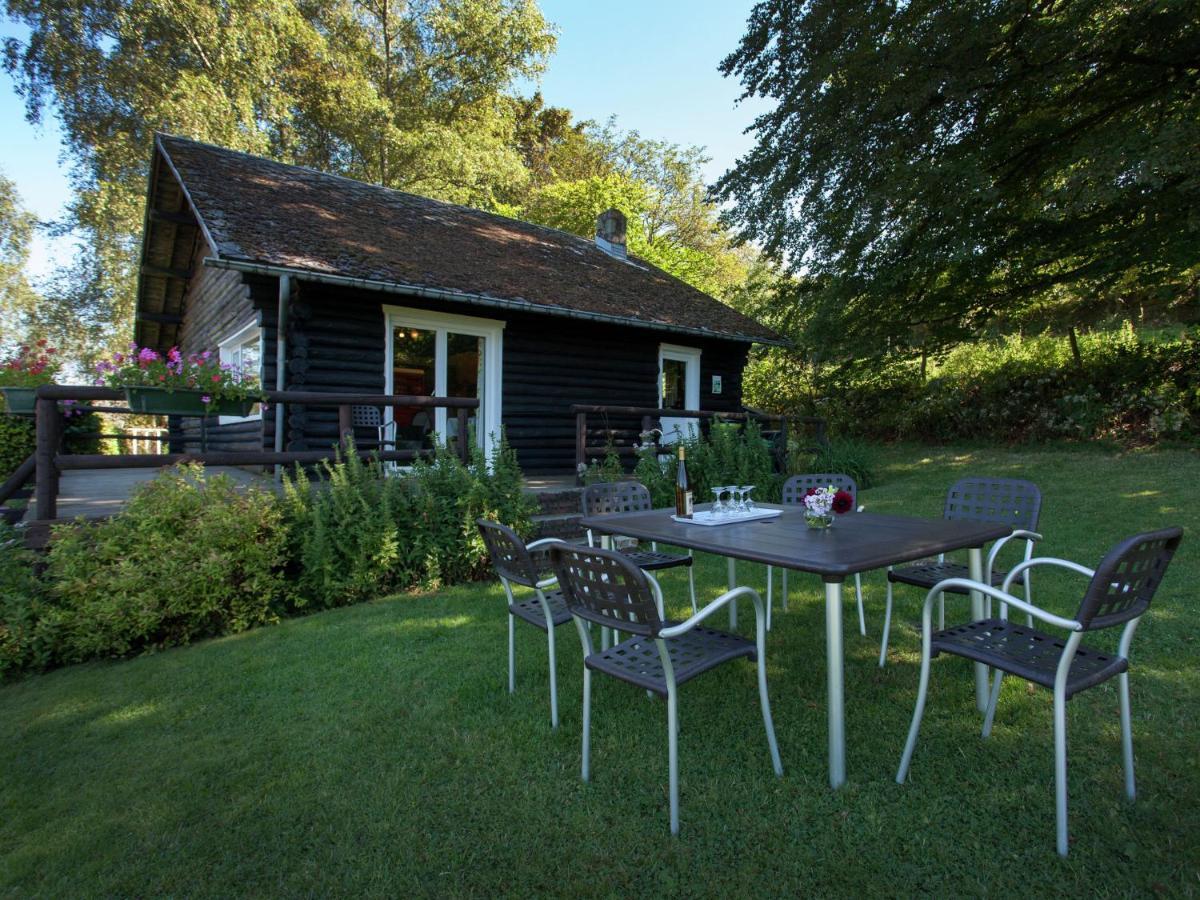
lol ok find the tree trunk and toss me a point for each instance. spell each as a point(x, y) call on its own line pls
point(1074, 339)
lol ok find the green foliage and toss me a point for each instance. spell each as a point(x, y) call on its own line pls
point(847, 456)
point(606, 470)
point(191, 555)
point(730, 454)
point(17, 297)
point(1011, 389)
point(29, 630)
point(17, 441)
point(364, 531)
point(1041, 172)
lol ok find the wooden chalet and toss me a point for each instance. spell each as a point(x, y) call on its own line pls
point(378, 291)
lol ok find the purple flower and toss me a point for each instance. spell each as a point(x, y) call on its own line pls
point(205, 399)
point(147, 355)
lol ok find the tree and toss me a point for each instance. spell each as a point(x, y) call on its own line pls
point(17, 296)
point(938, 164)
point(408, 94)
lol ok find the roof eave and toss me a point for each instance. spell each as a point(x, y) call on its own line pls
point(392, 287)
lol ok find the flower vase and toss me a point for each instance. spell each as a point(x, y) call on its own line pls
point(818, 521)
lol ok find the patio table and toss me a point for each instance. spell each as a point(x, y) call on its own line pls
point(857, 542)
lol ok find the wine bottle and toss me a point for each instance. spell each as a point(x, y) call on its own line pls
point(683, 493)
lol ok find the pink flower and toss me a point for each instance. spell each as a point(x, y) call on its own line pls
point(173, 355)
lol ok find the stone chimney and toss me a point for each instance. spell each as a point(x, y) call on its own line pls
point(610, 232)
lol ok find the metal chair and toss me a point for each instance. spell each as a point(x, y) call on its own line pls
point(516, 562)
point(633, 496)
point(1119, 593)
point(607, 588)
point(1012, 501)
point(372, 417)
point(794, 491)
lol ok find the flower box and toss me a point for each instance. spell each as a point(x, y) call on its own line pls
point(20, 400)
point(163, 402)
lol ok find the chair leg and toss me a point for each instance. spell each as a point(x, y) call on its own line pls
point(991, 710)
point(1126, 735)
point(942, 611)
point(887, 624)
point(770, 603)
point(862, 620)
point(915, 728)
point(673, 752)
point(1060, 769)
point(553, 679)
point(512, 655)
point(692, 584)
point(587, 723)
point(1028, 599)
point(768, 723)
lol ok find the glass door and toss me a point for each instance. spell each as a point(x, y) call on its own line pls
point(441, 355)
point(678, 389)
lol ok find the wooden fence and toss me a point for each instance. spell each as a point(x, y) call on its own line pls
point(49, 460)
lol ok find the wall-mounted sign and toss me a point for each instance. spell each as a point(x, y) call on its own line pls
point(716, 384)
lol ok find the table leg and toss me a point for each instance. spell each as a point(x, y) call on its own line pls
point(835, 683)
point(731, 577)
point(975, 566)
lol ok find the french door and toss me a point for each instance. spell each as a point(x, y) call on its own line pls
point(442, 355)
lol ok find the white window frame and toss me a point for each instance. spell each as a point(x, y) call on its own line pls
point(490, 412)
point(236, 339)
point(690, 356)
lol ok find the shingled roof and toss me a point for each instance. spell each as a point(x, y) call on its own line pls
point(256, 211)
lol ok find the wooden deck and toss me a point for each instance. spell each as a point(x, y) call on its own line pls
point(95, 493)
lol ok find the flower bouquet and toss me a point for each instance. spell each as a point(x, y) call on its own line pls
point(820, 505)
point(20, 375)
point(196, 385)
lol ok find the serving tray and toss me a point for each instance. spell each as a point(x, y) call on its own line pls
point(704, 517)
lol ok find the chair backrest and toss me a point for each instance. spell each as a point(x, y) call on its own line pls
point(797, 486)
point(365, 416)
point(604, 587)
point(1010, 501)
point(616, 497)
point(510, 557)
point(1127, 577)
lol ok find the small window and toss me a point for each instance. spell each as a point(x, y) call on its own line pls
point(243, 352)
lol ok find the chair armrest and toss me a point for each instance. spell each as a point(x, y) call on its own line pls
point(540, 545)
point(1019, 533)
point(1004, 598)
point(718, 604)
point(1047, 561)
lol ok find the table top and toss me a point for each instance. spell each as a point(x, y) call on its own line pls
point(856, 542)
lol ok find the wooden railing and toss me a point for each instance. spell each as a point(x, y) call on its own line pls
point(651, 416)
point(50, 461)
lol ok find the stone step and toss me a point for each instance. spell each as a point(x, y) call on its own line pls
point(560, 502)
point(565, 526)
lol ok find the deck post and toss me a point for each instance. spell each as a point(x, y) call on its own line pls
point(49, 435)
point(580, 445)
point(464, 450)
point(784, 450)
point(345, 425)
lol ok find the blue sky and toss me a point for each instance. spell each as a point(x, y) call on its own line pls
point(652, 64)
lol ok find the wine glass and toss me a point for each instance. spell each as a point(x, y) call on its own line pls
point(739, 505)
point(747, 502)
point(718, 508)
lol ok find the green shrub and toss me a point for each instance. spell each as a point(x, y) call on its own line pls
point(363, 531)
point(1007, 390)
point(30, 633)
point(730, 454)
point(847, 456)
point(191, 555)
point(17, 441)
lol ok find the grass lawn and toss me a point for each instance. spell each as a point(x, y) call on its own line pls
point(374, 750)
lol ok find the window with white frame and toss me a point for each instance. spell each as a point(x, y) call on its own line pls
point(242, 351)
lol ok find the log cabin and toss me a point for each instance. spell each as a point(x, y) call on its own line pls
point(321, 283)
